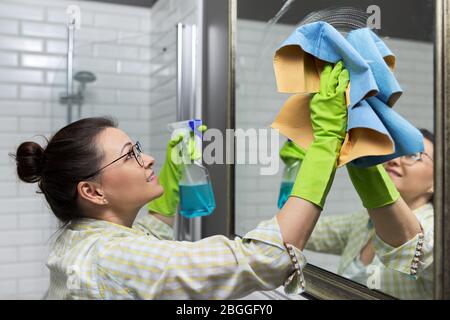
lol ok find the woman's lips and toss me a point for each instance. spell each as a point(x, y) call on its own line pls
point(393, 172)
point(151, 177)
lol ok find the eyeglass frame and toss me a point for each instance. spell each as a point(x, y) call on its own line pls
point(402, 158)
point(137, 146)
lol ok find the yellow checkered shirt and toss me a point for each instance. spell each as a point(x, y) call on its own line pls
point(346, 235)
point(95, 259)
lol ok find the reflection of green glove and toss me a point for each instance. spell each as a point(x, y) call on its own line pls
point(374, 186)
point(329, 123)
point(290, 152)
point(170, 175)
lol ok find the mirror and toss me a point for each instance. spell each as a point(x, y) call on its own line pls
point(343, 241)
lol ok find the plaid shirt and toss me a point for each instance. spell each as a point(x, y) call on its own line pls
point(394, 271)
point(95, 259)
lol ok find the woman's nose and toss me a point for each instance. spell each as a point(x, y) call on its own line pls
point(148, 160)
point(394, 162)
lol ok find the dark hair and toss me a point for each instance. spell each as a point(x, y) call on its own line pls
point(427, 134)
point(70, 155)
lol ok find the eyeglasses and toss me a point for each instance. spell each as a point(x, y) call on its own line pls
point(411, 159)
point(136, 151)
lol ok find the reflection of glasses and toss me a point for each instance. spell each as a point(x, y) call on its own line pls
point(411, 159)
point(136, 151)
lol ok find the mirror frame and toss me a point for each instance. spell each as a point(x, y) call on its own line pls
point(322, 284)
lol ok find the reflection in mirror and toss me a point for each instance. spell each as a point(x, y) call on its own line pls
point(389, 248)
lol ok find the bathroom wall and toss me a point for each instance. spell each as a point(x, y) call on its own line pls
point(121, 46)
point(257, 104)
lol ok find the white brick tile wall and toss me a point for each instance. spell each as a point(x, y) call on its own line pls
point(8, 91)
point(11, 10)
point(114, 42)
point(9, 26)
point(9, 59)
point(20, 44)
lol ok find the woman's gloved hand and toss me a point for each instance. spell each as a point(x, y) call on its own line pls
point(374, 186)
point(170, 176)
point(329, 123)
point(290, 152)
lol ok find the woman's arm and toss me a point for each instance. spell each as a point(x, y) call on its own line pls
point(393, 220)
point(395, 223)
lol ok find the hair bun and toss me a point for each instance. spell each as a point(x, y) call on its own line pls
point(30, 161)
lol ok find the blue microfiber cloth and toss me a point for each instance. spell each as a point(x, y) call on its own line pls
point(373, 86)
point(407, 138)
point(374, 51)
point(324, 42)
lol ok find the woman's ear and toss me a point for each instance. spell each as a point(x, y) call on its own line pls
point(92, 192)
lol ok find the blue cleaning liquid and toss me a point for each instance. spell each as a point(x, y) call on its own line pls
point(196, 200)
point(285, 192)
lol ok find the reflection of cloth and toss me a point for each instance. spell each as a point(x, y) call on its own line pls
point(346, 235)
point(369, 62)
point(95, 259)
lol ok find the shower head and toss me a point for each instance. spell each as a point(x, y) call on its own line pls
point(84, 77)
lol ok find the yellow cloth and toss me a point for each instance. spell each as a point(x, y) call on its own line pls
point(298, 72)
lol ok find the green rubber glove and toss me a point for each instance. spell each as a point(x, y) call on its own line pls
point(329, 123)
point(290, 152)
point(374, 186)
point(170, 176)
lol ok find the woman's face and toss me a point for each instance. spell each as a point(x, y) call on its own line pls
point(413, 181)
point(126, 185)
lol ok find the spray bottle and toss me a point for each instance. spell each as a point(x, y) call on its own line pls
point(287, 183)
point(196, 193)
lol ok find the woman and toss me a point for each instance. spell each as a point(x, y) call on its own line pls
point(388, 247)
point(95, 180)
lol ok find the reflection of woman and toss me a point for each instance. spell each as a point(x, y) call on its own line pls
point(391, 247)
point(96, 180)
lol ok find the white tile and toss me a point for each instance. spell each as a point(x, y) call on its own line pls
point(101, 96)
point(91, 35)
point(8, 221)
point(20, 43)
point(8, 189)
point(9, 124)
point(116, 81)
point(35, 221)
point(35, 124)
point(19, 270)
point(9, 59)
point(33, 285)
point(132, 67)
point(115, 51)
point(133, 97)
point(8, 254)
point(9, 26)
point(41, 61)
point(95, 65)
point(24, 12)
point(56, 46)
point(33, 253)
point(19, 108)
point(59, 15)
point(134, 38)
point(39, 92)
point(56, 77)
point(20, 76)
point(44, 30)
point(116, 21)
point(8, 91)
point(8, 289)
